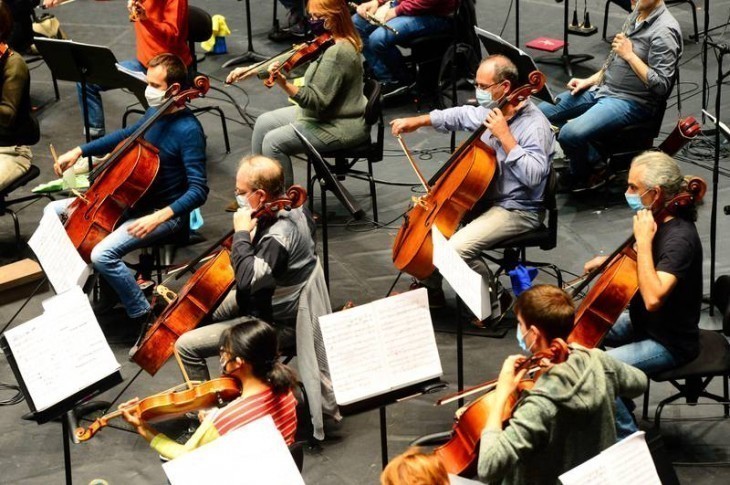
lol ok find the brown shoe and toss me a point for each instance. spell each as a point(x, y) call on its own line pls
point(232, 207)
point(436, 297)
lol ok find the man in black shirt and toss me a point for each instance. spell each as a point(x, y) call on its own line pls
point(660, 331)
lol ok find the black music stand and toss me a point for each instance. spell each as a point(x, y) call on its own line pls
point(328, 182)
point(85, 64)
point(494, 44)
point(63, 409)
point(250, 55)
point(566, 59)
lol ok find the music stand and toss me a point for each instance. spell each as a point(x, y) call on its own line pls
point(328, 181)
point(494, 44)
point(250, 54)
point(85, 64)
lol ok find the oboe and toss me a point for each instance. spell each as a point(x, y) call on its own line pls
point(375, 20)
point(612, 55)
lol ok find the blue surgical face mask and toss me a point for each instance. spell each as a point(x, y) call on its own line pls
point(521, 339)
point(484, 97)
point(634, 201)
point(243, 202)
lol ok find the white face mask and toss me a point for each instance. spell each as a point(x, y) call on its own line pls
point(155, 97)
point(243, 202)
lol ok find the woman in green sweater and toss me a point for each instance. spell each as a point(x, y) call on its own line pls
point(17, 128)
point(330, 109)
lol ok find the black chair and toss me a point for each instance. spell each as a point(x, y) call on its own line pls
point(626, 5)
point(370, 151)
point(544, 237)
point(5, 203)
point(713, 361)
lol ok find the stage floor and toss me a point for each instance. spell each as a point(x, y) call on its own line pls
point(360, 254)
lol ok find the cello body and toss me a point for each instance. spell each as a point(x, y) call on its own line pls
point(94, 216)
point(453, 195)
point(199, 296)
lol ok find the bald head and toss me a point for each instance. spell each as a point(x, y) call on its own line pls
point(256, 172)
point(499, 68)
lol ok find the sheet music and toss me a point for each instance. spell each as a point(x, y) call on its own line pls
point(136, 74)
point(57, 256)
point(628, 461)
point(62, 351)
point(253, 454)
point(381, 346)
point(466, 282)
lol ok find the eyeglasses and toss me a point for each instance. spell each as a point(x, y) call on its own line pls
point(484, 87)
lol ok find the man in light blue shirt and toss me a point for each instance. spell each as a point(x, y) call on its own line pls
point(523, 145)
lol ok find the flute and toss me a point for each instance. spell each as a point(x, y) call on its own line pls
point(373, 19)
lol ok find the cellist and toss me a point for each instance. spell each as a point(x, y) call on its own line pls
point(179, 187)
point(660, 329)
point(523, 142)
point(567, 417)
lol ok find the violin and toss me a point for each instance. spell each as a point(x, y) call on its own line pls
point(451, 193)
point(461, 453)
point(301, 54)
point(171, 404)
point(618, 281)
point(119, 182)
point(203, 292)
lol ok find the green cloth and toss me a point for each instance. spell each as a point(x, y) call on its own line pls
point(331, 102)
point(566, 419)
point(82, 183)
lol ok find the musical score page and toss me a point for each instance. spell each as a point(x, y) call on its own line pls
point(61, 351)
point(628, 461)
point(252, 454)
point(57, 255)
point(381, 346)
point(466, 282)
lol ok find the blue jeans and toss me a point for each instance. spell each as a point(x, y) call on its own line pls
point(647, 355)
point(106, 257)
point(590, 118)
point(379, 49)
point(95, 105)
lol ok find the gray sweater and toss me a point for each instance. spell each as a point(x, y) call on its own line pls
point(331, 102)
point(566, 419)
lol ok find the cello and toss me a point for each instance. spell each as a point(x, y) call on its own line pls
point(618, 281)
point(119, 182)
point(454, 190)
point(460, 454)
point(202, 293)
point(172, 403)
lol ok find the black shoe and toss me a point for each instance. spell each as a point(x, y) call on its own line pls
point(436, 297)
point(144, 323)
point(565, 182)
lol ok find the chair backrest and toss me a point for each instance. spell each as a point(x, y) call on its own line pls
point(374, 115)
point(32, 173)
point(200, 24)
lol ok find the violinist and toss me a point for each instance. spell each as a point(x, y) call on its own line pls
point(272, 260)
point(248, 353)
point(160, 26)
point(179, 187)
point(568, 416)
point(660, 329)
point(18, 129)
point(522, 141)
point(634, 82)
point(330, 107)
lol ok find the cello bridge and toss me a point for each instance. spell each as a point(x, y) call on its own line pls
point(167, 294)
point(421, 201)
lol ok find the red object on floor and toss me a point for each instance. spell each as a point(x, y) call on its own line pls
point(545, 44)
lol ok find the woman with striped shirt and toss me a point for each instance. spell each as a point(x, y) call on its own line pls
point(249, 353)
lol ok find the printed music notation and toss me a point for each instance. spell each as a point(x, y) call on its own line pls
point(381, 346)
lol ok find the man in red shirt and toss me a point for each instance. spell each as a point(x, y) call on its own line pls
point(161, 26)
point(411, 19)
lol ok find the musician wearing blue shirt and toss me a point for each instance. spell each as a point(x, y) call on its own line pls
point(522, 141)
point(179, 187)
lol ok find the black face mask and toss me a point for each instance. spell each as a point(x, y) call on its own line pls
point(317, 26)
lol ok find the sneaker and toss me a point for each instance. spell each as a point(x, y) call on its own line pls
point(394, 89)
point(436, 297)
point(597, 179)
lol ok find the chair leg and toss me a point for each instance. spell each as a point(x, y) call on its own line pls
point(694, 21)
point(605, 20)
point(726, 395)
point(645, 410)
point(55, 87)
point(373, 192)
point(16, 225)
point(224, 126)
point(310, 187)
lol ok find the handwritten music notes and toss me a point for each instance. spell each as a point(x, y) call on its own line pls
point(253, 454)
point(628, 461)
point(381, 346)
point(466, 282)
point(57, 255)
point(62, 351)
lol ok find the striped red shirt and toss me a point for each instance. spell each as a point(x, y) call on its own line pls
point(281, 408)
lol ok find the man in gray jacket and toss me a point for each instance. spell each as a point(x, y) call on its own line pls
point(568, 416)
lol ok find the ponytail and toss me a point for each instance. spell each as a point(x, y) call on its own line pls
point(282, 378)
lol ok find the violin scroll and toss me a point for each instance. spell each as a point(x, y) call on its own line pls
point(535, 83)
